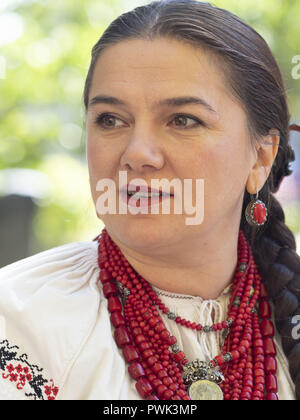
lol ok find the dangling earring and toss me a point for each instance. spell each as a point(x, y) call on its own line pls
point(256, 212)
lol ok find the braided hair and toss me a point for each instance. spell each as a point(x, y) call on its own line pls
point(255, 80)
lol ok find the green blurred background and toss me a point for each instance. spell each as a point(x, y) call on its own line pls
point(44, 57)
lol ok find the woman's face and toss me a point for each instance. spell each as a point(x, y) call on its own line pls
point(151, 141)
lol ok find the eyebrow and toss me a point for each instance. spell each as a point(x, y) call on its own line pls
point(169, 102)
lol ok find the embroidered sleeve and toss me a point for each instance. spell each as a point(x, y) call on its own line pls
point(29, 378)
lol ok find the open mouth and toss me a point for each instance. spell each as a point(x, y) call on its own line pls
point(142, 198)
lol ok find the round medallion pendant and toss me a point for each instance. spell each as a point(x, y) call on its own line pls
point(205, 390)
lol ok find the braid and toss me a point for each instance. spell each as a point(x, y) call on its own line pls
point(274, 250)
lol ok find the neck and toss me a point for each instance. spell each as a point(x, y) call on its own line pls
point(201, 268)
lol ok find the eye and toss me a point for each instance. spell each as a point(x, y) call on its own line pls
point(184, 117)
point(108, 118)
point(102, 119)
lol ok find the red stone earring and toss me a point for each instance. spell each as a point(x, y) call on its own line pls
point(256, 212)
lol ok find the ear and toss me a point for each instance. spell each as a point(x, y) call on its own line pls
point(266, 152)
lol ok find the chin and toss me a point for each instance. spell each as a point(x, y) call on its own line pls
point(140, 232)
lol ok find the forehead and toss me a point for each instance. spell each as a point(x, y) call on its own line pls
point(155, 68)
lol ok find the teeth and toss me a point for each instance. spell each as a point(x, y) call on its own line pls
point(142, 195)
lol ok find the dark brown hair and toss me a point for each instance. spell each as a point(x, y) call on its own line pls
point(255, 80)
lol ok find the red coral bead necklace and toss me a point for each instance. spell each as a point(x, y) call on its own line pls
point(244, 370)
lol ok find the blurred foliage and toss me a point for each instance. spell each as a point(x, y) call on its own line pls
point(45, 51)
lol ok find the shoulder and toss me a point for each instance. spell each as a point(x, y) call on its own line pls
point(42, 298)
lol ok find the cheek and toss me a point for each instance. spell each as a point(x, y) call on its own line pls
point(101, 159)
point(223, 169)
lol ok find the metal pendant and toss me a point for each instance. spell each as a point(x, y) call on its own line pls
point(202, 379)
point(205, 390)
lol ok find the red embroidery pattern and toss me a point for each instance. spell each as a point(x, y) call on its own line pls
point(18, 370)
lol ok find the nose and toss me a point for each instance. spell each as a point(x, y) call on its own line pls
point(142, 153)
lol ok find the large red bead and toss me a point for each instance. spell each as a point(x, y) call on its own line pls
point(101, 258)
point(144, 387)
point(267, 328)
point(271, 396)
point(270, 364)
point(110, 289)
point(122, 336)
point(264, 309)
point(130, 353)
point(259, 213)
point(136, 370)
point(152, 397)
point(105, 275)
point(117, 319)
point(271, 383)
point(269, 347)
point(114, 304)
point(263, 291)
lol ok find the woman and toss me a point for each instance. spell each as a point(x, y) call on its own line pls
point(155, 307)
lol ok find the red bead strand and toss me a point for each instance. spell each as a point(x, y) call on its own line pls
point(146, 343)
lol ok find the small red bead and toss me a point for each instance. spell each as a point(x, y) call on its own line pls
point(162, 374)
point(144, 346)
point(258, 351)
point(171, 340)
point(168, 394)
point(235, 354)
point(151, 360)
point(161, 389)
point(147, 353)
point(159, 327)
point(259, 372)
point(259, 380)
point(140, 338)
point(156, 382)
point(179, 356)
point(258, 343)
point(220, 360)
point(157, 367)
point(164, 334)
point(153, 321)
point(167, 381)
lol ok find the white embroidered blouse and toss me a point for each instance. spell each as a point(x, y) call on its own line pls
point(56, 339)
